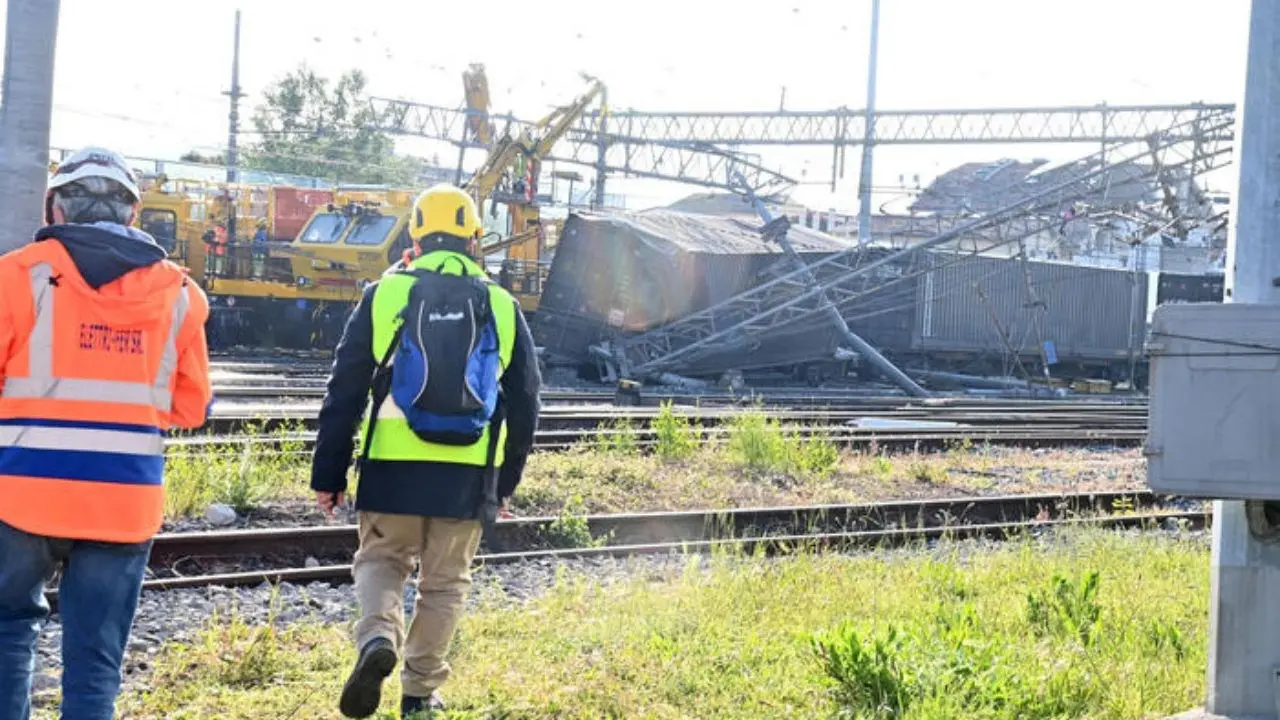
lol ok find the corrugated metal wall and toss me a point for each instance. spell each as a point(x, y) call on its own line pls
point(972, 303)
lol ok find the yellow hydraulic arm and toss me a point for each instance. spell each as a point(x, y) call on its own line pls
point(475, 85)
point(548, 131)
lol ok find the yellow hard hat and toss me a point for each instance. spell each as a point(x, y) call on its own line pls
point(447, 210)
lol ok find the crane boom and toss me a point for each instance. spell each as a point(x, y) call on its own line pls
point(533, 142)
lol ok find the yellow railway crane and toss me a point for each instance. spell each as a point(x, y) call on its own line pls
point(353, 240)
point(509, 176)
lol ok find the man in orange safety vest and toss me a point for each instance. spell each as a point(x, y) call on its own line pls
point(102, 350)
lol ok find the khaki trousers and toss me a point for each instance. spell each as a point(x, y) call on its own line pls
point(389, 544)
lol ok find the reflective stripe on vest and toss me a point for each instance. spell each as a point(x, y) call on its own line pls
point(392, 437)
point(69, 467)
point(41, 383)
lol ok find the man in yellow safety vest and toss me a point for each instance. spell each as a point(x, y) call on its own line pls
point(451, 366)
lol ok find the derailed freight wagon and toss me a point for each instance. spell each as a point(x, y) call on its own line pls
point(627, 273)
point(980, 314)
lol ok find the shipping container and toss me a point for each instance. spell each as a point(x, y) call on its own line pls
point(976, 304)
point(292, 207)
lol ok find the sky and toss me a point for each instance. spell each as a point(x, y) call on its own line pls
point(146, 77)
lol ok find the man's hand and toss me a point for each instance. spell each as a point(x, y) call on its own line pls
point(328, 501)
point(503, 512)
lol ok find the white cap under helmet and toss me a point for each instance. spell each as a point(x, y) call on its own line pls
point(95, 162)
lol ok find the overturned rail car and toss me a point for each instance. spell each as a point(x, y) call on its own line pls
point(626, 273)
point(622, 274)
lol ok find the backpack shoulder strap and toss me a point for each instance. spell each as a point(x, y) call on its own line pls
point(381, 388)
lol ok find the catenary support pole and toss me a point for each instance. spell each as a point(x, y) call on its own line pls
point(233, 118)
point(233, 133)
point(881, 363)
point(602, 152)
point(26, 108)
point(1244, 621)
point(868, 140)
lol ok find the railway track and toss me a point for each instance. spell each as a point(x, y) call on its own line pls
point(882, 438)
point(883, 411)
point(251, 557)
point(300, 389)
point(248, 381)
point(887, 421)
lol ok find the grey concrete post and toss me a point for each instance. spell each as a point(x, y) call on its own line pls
point(1244, 619)
point(868, 140)
point(31, 33)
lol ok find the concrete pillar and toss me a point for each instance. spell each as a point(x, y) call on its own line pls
point(1244, 621)
point(31, 33)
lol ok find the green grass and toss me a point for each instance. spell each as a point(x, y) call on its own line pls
point(677, 439)
point(761, 462)
point(243, 477)
point(1089, 625)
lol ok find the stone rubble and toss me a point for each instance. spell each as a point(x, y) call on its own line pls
point(220, 515)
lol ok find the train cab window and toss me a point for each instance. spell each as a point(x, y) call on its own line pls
point(325, 229)
point(371, 229)
point(161, 225)
point(396, 250)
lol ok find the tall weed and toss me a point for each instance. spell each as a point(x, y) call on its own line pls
point(242, 476)
point(870, 678)
point(676, 436)
point(617, 437)
point(1066, 609)
point(760, 443)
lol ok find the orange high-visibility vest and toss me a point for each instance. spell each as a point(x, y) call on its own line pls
point(89, 383)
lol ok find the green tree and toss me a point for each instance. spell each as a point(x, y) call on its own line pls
point(308, 125)
point(193, 156)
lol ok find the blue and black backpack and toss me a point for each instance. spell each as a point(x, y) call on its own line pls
point(444, 377)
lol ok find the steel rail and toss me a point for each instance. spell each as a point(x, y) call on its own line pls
point(670, 526)
point(771, 530)
point(882, 438)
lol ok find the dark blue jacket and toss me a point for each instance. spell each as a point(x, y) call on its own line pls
point(429, 489)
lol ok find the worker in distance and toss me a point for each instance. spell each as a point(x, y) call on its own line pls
point(446, 363)
point(102, 350)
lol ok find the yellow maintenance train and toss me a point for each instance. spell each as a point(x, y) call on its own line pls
point(298, 258)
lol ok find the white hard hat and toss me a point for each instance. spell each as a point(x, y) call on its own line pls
point(95, 162)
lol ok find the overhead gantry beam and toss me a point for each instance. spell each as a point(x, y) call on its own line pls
point(697, 147)
point(692, 163)
point(842, 126)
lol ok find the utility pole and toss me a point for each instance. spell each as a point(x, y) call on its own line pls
point(233, 131)
point(1244, 627)
point(775, 229)
point(868, 140)
point(602, 151)
point(31, 33)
